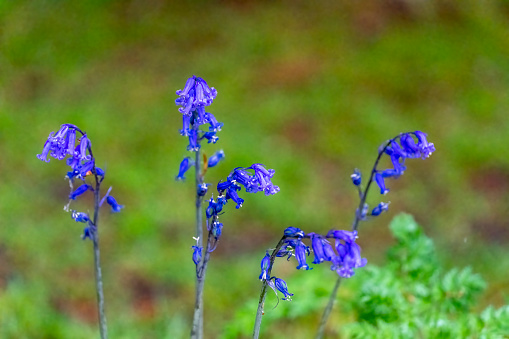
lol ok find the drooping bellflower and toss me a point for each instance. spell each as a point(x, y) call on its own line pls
point(65, 142)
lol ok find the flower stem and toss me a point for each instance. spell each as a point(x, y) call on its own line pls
point(97, 263)
point(197, 328)
point(328, 309)
point(355, 226)
point(263, 293)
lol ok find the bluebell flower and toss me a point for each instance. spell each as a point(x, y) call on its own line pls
point(59, 144)
point(321, 248)
point(265, 267)
point(196, 93)
point(349, 253)
point(300, 254)
point(80, 217)
point(215, 158)
point(214, 124)
point(281, 286)
point(217, 229)
point(231, 193)
point(185, 165)
point(211, 137)
point(293, 232)
point(88, 232)
point(381, 207)
point(202, 189)
point(79, 191)
point(193, 140)
point(407, 148)
point(287, 249)
point(115, 207)
point(356, 177)
point(264, 177)
point(196, 254)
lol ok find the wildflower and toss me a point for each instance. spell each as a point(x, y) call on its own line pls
point(322, 248)
point(79, 191)
point(356, 177)
point(80, 216)
point(281, 286)
point(381, 207)
point(202, 189)
point(265, 267)
point(293, 232)
point(115, 207)
point(215, 158)
point(300, 254)
point(196, 254)
point(185, 165)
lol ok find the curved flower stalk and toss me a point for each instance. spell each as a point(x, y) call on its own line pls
point(259, 181)
point(72, 141)
point(343, 257)
point(410, 145)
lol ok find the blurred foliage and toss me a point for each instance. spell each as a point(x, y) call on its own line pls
point(309, 89)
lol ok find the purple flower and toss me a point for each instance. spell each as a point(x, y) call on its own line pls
point(264, 177)
point(80, 217)
point(265, 267)
point(202, 189)
point(79, 191)
point(356, 177)
point(211, 137)
point(60, 144)
point(115, 207)
point(407, 148)
point(349, 253)
point(88, 232)
point(381, 207)
point(300, 254)
point(281, 286)
point(362, 214)
point(215, 158)
point(322, 248)
point(196, 254)
point(185, 165)
point(193, 140)
point(293, 232)
point(196, 93)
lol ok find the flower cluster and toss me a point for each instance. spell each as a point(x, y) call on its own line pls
point(344, 256)
point(253, 183)
point(411, 145)
point(82, 162)
point(193, 99)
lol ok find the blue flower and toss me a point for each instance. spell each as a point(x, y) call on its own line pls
point(300, 254)
point(80, 217)
point(88, 232)
point(202, 189)
point(281, 286)
point(264, 177)
point(115, 207)
point(193, 140)
point(211, 137)
point(356, 177)
point(322, 248)
point(215, 158)
point(349, 253)
point(293, 232)
point(196, 254)
point(265, 267)
point(79, 191)
point(407, 148)
point(381, 207)
point(185, 165)
point(196, 93)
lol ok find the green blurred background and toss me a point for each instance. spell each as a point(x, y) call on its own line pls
point(310, 89)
